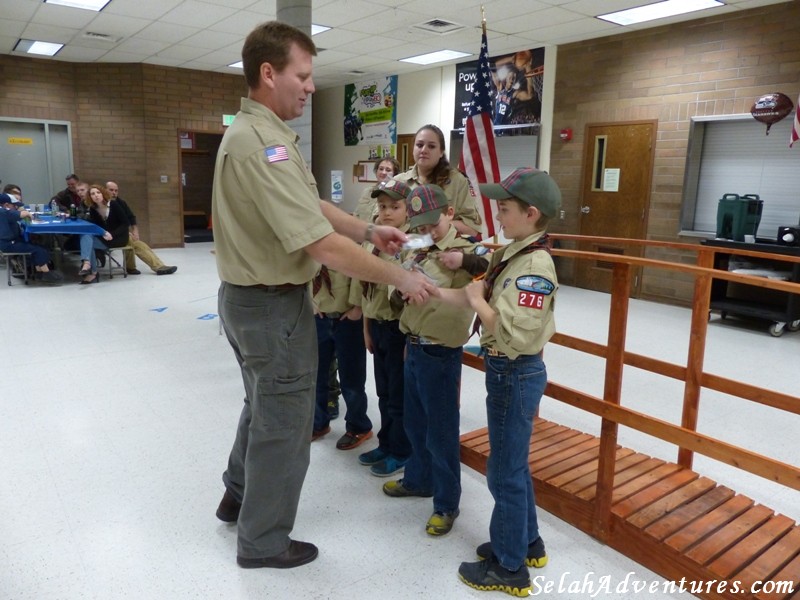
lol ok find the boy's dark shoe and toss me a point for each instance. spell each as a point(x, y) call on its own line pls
point(536, 557)
point(333, 409)
point(396, 489)
point(133, 271)
point(489, 576)
point(166, 270)
point(229, 507)
point(318, 433)
point(441, 523)
point(298, 553)
point(352, 440)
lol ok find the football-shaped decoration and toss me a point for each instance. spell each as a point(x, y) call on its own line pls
point(771, 108)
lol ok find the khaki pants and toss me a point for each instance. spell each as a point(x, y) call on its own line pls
point(145, 253)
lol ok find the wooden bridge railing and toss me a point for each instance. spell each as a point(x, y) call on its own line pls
point(610, 408)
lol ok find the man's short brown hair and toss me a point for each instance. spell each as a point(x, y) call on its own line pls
point(271, 42)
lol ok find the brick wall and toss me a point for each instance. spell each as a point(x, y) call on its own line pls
point(714, 66)
point(125, 122)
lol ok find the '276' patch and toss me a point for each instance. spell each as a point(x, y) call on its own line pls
point(531, 300)
point(534, 283)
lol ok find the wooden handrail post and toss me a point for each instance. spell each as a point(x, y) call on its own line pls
point(701, 303)
point(612, 390)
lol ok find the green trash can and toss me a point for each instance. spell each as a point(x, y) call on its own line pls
point(738, 216)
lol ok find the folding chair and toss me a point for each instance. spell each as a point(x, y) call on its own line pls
point(13, 266)
point(113, 263)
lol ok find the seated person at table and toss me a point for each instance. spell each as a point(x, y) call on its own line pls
point(68, 196)
point(11, 239)
point(111, 217)
point(140, 249)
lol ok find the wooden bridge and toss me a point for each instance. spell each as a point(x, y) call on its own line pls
point(664, 515)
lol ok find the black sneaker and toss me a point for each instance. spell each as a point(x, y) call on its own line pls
point(536, 557)
point(166, 270)
point(489, 576)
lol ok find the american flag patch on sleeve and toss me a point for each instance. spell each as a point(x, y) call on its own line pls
point(276, 153)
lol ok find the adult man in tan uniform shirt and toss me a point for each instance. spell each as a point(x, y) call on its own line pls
point(271, 232)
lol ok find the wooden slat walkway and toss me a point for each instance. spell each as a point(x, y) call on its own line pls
point(666, 517)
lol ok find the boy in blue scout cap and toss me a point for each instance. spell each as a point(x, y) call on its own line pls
point(385, 341)
point(436, 335)
point(515, 305)
point(12, 241)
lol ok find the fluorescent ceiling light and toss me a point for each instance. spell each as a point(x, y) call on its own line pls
point(659, 10)
point(434, 57)
point(35, 47)
point(237, 65)
point(315, 29)
point(95, 5)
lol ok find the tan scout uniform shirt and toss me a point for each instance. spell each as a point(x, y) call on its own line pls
point(341, 297)
point(458, 194)
point(375, 305)
point(438, 322)
point(265, 204)
point(523, 297)
point(367, 208)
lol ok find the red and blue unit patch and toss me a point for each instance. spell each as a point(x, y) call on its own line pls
point(276, 153)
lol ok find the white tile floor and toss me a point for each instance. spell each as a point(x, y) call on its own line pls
point(118, 408)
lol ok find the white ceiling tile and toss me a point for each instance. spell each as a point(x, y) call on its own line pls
point(179, 52)
point(63, 16)
point(163, 61)
point(210, 40)
point(48, 33)
point(81, 54)
point(144, 9)
point(166, 32)
point(20, 9)
point(7, 43)
point(12, 28)
point(264, 7)
point(197, 14)
point(241, 23)
point(140, 46)
point(343, 11)
point(117, 25)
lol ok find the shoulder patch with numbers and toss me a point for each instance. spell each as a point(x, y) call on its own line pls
point(276, 153)
point(534, 283)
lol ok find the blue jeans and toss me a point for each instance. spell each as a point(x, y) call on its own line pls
point(514, 389)
point(90, 243)
point(345, 339)
point(388, 344)
point(431, 419)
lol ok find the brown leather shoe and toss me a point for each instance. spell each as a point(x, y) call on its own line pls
point(229, 508)
point(298, 553)
point(318, 433)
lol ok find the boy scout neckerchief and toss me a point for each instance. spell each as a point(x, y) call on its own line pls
point(323, 277)
point(543, 243)
point(367, 287)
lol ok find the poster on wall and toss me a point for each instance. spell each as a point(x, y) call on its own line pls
point(517, 95)
point(370, 112)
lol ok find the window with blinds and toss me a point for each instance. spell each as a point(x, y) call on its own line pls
point(732, 155)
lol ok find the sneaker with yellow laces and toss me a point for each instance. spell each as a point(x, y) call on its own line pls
point(490, 576)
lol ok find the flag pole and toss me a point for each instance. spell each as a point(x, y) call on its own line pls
point(495, 238)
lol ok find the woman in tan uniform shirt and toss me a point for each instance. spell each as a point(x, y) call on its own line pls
point(431, 166)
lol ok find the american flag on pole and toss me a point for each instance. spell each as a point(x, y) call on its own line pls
point(796, 125)
point(478, 154)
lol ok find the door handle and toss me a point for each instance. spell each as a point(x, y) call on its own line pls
point(586, 210)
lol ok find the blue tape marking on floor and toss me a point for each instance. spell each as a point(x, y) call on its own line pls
point(161, 309)
point(208, 317)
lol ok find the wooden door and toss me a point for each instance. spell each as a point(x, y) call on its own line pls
point(615, 195)
point(405, 150)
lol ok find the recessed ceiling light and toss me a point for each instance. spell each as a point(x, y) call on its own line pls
point(659, 10)
point(237, 65)
point(95, 5)
point(315, 29)
point(36, 47)
point(434, 57)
